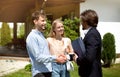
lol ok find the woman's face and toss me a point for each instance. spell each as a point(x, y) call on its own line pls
point(59, 29)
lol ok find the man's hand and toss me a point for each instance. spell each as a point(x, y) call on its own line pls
point(61, 59)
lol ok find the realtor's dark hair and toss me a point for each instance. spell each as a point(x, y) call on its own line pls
point(90, 17)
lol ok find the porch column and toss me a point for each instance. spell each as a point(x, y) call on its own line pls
point(15, 33)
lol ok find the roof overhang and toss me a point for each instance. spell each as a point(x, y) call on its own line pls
point(17, 10)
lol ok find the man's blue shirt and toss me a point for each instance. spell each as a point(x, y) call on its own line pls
point(39, 53)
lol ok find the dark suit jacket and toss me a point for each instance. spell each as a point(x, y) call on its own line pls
point(90, 65)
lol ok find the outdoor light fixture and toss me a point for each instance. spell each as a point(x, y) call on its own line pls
point(45, 0)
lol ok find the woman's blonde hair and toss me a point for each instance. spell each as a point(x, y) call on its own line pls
point(52, 32)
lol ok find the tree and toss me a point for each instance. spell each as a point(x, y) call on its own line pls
point(109, 51)
point(5, 34)
point(21, 32)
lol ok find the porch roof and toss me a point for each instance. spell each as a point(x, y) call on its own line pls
point(17, 10)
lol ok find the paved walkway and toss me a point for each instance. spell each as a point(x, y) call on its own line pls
point(12, 64)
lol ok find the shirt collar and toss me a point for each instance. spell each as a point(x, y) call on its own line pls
point(86, 30)
point(36, 31)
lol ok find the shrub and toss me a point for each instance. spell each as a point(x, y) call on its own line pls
point(109, 52)
point(28, 67)
point(48, 27)
point(72, 28)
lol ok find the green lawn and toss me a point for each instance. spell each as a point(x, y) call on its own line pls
point(114, 71)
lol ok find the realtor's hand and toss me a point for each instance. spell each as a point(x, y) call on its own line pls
point(75, 57)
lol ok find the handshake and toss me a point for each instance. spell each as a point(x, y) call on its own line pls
point(64, 58)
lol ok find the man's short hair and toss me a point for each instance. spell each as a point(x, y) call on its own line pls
point(37, 14)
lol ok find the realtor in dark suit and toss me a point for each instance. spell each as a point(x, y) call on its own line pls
point(90, 65)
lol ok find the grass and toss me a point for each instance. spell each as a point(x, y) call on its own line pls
point(20, 73)
point(113, 71)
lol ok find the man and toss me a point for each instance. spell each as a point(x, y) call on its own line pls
point(38, 49)
point(90, 65)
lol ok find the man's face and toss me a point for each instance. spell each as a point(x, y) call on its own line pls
point(40, 23)
point(83, 25)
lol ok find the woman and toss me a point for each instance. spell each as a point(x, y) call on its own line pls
point(59, 45)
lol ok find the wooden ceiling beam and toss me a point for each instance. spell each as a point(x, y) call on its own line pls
point(53, 3)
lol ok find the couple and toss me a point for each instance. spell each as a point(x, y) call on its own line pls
point(40, 50)
point(48, 57)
